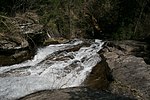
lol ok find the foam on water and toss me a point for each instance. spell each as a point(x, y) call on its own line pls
point(42, 53)
point(51, 73)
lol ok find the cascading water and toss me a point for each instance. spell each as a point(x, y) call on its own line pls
point(54, 66)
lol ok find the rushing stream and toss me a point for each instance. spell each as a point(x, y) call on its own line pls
point(54, 66)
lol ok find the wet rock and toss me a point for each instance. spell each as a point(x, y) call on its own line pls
point(17, 57)
point(16, 41)
point(19, 72)
point(100, 76)
point(13, 49)
point(74, 94)
point(131, 74)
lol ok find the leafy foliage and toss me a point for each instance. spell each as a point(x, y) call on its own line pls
point(110, 19)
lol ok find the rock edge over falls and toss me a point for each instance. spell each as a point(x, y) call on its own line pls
point(131, 74)
point(118, 68)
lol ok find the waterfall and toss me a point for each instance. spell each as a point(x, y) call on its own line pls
point(53, 67)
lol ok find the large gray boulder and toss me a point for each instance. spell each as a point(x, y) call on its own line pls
point(131, 74)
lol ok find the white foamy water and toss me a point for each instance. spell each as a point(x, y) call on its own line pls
point(52, 67)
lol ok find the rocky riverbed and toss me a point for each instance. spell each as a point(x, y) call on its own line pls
point(119, 67)
point(53, 67)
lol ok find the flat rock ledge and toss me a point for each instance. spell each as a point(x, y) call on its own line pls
point(130, 72)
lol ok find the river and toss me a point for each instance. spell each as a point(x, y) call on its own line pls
point(53, 67)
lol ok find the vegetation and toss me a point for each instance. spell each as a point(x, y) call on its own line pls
point(121, 19)
point(104, 19)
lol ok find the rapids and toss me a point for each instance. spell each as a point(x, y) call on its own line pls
point(53, 67)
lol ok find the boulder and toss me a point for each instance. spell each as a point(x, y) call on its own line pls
point(13, 49)
point(130, 72)
point(100, 76)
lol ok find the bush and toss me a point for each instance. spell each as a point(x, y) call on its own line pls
point(110, 19)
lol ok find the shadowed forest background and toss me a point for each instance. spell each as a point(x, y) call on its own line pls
point(103, 19)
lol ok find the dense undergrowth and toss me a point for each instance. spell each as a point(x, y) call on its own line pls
point(104, 19)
